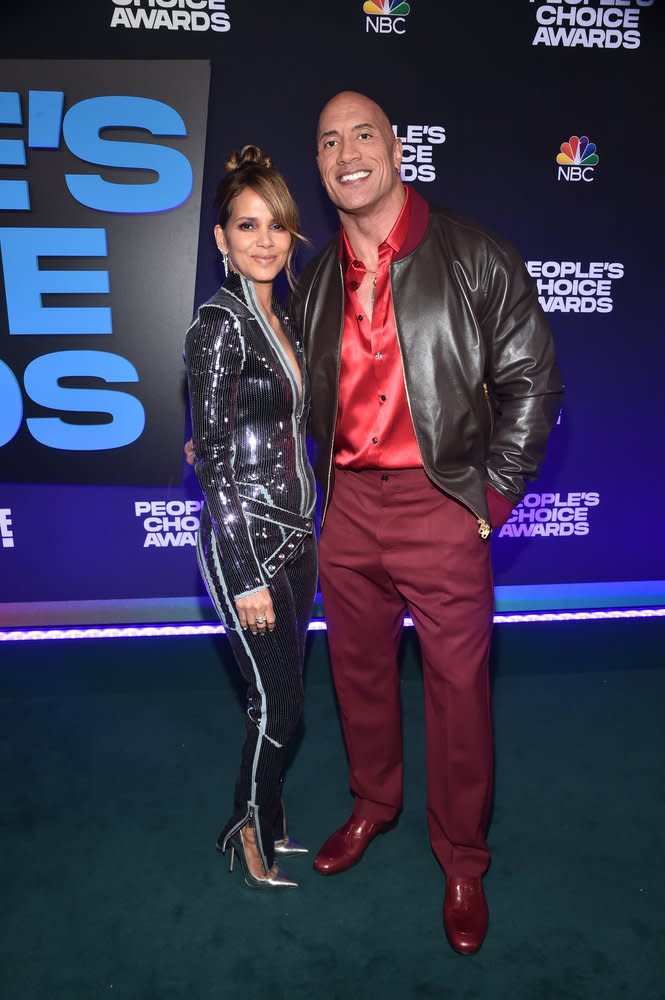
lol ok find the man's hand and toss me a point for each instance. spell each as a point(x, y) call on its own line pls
point(256, 612)
point(190, 453)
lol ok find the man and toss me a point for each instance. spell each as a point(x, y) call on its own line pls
point(434, 389)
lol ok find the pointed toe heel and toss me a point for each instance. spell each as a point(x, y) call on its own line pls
point(276, 879)
point(289, 848)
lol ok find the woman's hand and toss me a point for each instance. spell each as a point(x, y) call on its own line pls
point(256, 612)
point(190, 452)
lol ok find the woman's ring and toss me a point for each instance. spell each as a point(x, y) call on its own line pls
point(260, 621)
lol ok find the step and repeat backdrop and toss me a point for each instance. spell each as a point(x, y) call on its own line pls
point(538, 119)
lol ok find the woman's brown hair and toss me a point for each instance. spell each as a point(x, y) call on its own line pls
point(250, 168)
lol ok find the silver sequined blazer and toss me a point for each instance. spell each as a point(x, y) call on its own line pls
point(249, 418)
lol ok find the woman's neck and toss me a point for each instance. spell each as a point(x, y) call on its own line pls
point(263, 292)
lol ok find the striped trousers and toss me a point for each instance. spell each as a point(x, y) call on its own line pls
point(272, 665)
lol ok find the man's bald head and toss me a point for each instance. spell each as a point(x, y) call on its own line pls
point(352, 98)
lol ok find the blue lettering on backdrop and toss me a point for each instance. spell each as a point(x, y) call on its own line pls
point(11, 410)
point(41, 384)
point(13, 194)
point(25, 282)
point(21, 248)
point(81, 129)
point(45, 118)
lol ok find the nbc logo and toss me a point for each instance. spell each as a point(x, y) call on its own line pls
point(386, 16)
point(577, 159)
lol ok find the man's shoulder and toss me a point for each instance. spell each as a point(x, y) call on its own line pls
point(462, 234)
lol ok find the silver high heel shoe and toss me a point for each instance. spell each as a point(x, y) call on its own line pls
point(277, 881)
point(286, 847)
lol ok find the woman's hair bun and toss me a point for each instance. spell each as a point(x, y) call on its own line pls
point(249, 156)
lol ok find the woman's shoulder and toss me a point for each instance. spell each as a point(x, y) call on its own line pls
point(224, 298)
point(219, 316)
point(221, 309)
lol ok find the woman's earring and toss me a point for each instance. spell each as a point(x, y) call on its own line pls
point(225, 262)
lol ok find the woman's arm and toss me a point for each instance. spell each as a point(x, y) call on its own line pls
point(215, 357)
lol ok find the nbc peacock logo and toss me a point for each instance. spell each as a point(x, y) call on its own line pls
point(385, 17)
point(576, 159)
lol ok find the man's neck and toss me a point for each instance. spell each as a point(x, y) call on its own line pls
point(366, 232)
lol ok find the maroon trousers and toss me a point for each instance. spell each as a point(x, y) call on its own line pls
point(394, 543)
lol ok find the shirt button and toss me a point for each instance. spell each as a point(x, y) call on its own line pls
point(375, 440)
point(384, 478)
point(378, 355)
point(360, 319)
point(382, 398)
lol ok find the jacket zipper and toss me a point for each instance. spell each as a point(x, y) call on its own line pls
point(257, 834)
point(484, 527)
point(299, 395)
point(488, 400)
point(305, 491)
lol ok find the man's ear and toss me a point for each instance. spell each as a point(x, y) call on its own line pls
point(397, 153)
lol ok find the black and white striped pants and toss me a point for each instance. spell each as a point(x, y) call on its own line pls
point(272, 665)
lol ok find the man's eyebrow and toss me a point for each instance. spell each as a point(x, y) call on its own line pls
point(335, 131)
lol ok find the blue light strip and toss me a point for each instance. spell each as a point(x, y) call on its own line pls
point(524, 599)
point(318, 625)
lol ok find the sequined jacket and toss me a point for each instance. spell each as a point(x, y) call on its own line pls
point(249, 418)
point(482, 384)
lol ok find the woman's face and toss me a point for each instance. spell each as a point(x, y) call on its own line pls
point(257, 245)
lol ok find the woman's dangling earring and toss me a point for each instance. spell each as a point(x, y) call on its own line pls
point(225, 262)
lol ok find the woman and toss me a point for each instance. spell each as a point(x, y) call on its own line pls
point(256, 548)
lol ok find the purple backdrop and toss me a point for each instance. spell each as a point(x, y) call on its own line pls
point(535, 120)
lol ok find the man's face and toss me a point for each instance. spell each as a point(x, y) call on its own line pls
point(358, 154)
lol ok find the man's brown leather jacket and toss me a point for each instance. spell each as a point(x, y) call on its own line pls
point(481, 379)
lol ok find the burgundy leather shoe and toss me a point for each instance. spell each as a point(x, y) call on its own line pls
point(347, 845)
point(465, 914)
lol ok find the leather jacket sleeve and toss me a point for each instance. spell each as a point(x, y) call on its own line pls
point(522, 375)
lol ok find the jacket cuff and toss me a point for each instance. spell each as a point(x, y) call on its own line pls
point(248, 593)
point(499, 507)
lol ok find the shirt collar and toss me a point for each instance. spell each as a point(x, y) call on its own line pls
point(354, 269)
point(397, 234)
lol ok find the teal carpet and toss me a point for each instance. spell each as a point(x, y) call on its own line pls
point(118, 763)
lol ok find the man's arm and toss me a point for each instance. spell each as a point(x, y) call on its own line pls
point(523, 376)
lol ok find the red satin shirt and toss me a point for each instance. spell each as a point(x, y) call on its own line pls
point(374, 428)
